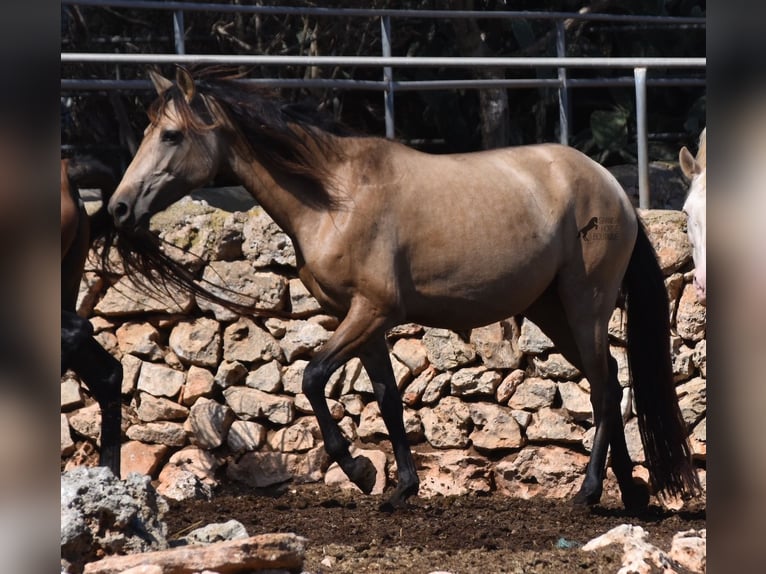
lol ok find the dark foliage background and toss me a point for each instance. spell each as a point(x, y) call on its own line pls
point(602, 124)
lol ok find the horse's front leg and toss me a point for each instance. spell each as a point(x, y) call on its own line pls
point(378, 366)
point(362, 322)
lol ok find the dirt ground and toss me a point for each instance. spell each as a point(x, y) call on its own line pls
point(467, 534)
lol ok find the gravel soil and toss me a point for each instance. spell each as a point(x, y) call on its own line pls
point(348, 533)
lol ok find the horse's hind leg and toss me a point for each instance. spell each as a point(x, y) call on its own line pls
point(378, 366)
point(360, 325)
point(102, 373)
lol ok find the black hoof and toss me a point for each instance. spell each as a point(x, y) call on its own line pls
point(363, 474)
point(398, 498)
point(636, 497)
point(586, 499)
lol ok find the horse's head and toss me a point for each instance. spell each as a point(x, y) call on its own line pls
point(181, 151)
point(695, 207)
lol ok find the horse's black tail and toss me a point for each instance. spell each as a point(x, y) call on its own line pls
point(662, 428)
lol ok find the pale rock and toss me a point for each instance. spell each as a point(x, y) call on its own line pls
point(151, 408)
point(336, 477)
point(554, 366)
point(141, 458)
point(108, 341)
point(252, 404)
point(698, 440)
point(278, 552)
point(162, 432)
point(67, 444)
point(402, 373)
point(692, 398)
point(302, 339)
point(91, 287)
point(453, 473)
point(412, 353)
point(494, 427)
point(160, 381)
point(301, 300)
point(554, 425)
point(667, 232)
point(240, 283)
point(141, 340)
point(674, 285)
point(199, 462)
point(436, 389)
point(276, 327)
point(405, 330)
point(524, 418)
point(550, 471)
point(352, 404)
point(355, 378)
point(576, 401)
point(371, 425)
point(532, 341)
point(71, 395)
point(620, 355)
point(681, 357)
point(230, 373)
point(197, 342)
point(414, 391)
point(497, 344)
point(125, 298)
point(262, 469)
point(508, 385)
point(199, 383)
point(264, 242)
point(245, 436)
point(475, 382)
point(533, 393)
point(447, 425)
point(210, 422)
point(267, 378)
point(298, 437)
point(699, 357)
point(101, 514)
point(337, 409)
point(177, 483)
point(691, 315)
point(617, 327)
point(217, 532)
point(131, 369)
point(87, 421)
point(292, 376)
point(348, 427)
point(689, 549)
point(245, 341)
point(446, 350)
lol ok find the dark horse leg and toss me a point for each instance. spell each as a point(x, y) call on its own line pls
point(360, 324)
point(378, 366)
point(549, 314)
point(102, 373)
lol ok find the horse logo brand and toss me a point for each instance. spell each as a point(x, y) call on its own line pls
point(599, 229)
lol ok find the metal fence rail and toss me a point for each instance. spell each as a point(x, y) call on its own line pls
point(387, 62)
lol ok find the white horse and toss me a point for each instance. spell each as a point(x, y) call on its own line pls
point(694, 168)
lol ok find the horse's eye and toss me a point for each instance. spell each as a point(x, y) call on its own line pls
point(171, 136)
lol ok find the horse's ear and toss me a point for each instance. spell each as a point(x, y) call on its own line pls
point(689, 165)
point(161, 83)
point(185, 82)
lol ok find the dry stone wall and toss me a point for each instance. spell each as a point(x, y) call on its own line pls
point(210, 396)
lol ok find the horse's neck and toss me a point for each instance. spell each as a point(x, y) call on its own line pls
point(278, 193)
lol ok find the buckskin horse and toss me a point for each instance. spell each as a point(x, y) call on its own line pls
point(385, 234)
point(695, 207)
point(80, 351)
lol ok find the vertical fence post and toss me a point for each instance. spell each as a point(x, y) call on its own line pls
point(178, 31)
point(641, 137)
point(561, 52)
point(388, 76)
